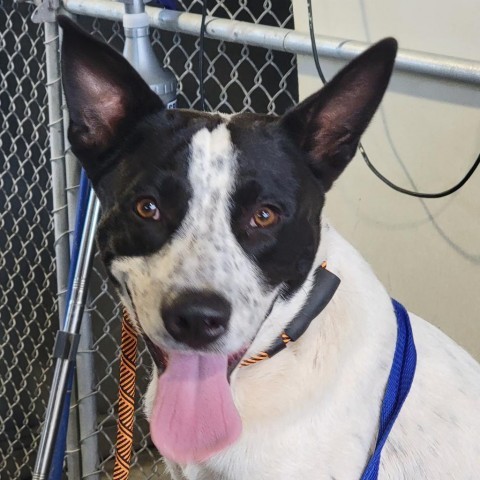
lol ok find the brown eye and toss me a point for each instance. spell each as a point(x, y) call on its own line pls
point(147, 208)
point(264, 217)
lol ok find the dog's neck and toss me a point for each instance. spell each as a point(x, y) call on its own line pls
point(284, 311)
point(333, 347)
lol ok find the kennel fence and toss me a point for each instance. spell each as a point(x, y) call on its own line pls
point(28, 286)
point(38, 191)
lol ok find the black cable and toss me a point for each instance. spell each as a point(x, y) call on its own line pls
point(451, 190)
point(201, 53)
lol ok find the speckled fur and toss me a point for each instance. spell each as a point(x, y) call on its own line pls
point(203, 254)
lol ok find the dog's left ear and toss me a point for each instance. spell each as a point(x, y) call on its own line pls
point(329, 123)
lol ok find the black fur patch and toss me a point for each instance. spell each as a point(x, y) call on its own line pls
point(274, 172)
point(152, 162)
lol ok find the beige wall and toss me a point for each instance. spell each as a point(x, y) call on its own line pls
point(427, 253)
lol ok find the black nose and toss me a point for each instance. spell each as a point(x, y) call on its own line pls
point(196, 318)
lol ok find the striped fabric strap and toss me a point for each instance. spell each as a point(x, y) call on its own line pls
point(126, 399)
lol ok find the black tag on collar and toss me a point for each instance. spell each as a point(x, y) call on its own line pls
point(325, 284)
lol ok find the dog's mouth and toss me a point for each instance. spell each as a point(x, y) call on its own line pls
point(160, 357)
point(193, 415)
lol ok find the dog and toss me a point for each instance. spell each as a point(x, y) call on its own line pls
point(212, 231)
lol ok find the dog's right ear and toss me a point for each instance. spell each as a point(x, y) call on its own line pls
point(105, 96)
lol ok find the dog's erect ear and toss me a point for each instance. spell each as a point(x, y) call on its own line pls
point(329, 123)
point(105, 96)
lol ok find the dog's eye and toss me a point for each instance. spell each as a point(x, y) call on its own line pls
point(264, 217)
point(147, 208)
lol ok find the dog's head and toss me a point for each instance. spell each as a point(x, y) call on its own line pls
point(208, 218)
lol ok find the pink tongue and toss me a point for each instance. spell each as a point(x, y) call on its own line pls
point(193, 413)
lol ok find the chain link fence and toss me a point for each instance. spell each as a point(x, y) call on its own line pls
point(237, 78)
point(28, 289)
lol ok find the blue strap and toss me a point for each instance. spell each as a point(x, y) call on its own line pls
point(398, 386)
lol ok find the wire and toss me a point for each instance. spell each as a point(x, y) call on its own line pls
point(201, 54)
point(451, 190)
point(412, 193)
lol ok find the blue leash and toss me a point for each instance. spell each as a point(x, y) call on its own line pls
point(398, 386)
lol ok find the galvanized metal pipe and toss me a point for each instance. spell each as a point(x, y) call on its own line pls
point(57, 163)
point(87, 399)
point(418, 63)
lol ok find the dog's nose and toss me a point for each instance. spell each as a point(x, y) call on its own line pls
point(196, 318)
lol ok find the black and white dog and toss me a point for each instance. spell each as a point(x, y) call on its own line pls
point(212, 231)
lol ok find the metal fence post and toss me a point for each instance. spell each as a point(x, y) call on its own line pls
point(59, 193)
point(57, 161)
point(72, 175)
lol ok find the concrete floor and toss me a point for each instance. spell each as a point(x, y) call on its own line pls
point(149, 470)
point(145, 468)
